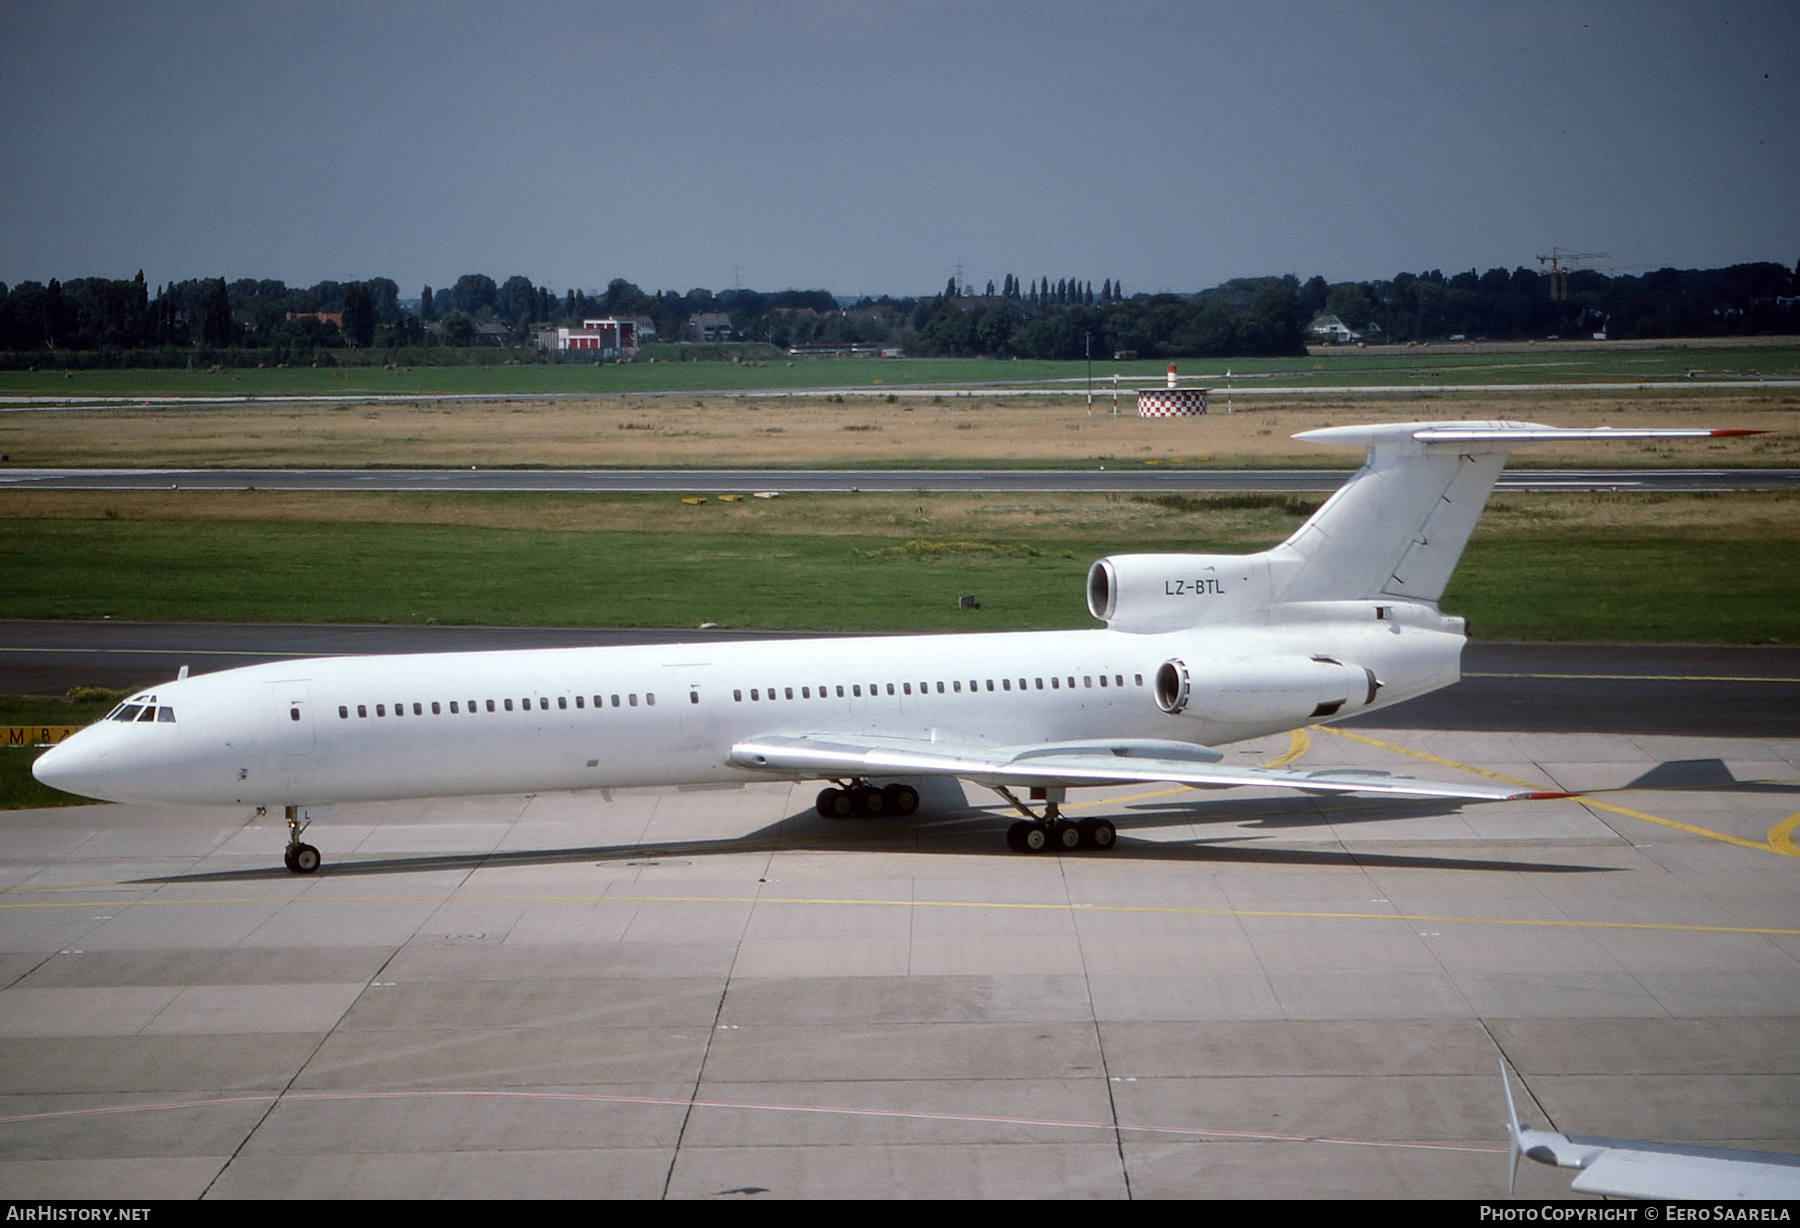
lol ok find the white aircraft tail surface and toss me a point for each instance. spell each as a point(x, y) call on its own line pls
point(1398, 527)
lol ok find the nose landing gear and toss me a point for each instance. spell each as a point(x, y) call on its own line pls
point(298, 857)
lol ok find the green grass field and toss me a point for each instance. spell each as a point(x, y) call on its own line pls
point(1525, 578)
point(1353, 367)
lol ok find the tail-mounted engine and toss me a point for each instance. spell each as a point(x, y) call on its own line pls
point(1264, 689)
point(1147, 593)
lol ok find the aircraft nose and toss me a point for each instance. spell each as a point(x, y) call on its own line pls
point(70, 767)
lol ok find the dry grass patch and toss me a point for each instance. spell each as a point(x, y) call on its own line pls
point(797, 430)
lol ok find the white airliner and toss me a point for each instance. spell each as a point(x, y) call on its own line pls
point(1199, 650)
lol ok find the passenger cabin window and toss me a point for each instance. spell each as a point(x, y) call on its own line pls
point(634, 699)
point(380, 709)
point(693, 697)
point(293, 714)
point(581, 701)
point(453, 711)
point(615, 699)
point(435, 710)
point(507, 702)
point(490, 704)
point(362, 710)
point(343, 712)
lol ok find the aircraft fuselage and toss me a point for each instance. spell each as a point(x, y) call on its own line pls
point(345, 729)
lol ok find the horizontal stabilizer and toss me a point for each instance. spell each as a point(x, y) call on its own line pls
point(828, 756)
point(1508, 435)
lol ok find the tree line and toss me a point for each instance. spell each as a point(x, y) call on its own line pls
point(1041, 318)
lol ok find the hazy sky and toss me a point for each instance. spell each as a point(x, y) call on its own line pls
point(871, 147)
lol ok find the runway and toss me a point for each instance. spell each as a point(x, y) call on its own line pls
point(718, 994)
point(1135, 479)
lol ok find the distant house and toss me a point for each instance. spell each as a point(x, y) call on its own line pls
point(609, 338)
point(709, 326)
point(334, 318)
point(1332, 329)
point(492, 334)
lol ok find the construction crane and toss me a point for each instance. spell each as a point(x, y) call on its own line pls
point(1559, 276)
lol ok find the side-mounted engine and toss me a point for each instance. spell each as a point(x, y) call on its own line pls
point(1264, 690)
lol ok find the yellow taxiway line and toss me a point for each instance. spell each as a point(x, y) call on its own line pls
point(1779, 840)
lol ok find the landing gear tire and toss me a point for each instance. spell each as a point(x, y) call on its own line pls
point(1027, 837)
point(304, 859)
point(1065, 836)
point(901, 799)
point(835, 804)
point(868, 800)
point(1098, 834)
point(287, 859)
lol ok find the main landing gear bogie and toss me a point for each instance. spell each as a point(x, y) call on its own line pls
point(1061, 836)
point(864, 800)
point(1051, 832)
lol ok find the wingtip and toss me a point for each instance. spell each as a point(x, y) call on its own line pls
point(1543, 795)
point(1728, 431)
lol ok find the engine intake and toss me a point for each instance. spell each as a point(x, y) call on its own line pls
point(1147, 593)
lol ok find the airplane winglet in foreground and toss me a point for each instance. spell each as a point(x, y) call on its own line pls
point(1633, 1168)
point(1199, 650)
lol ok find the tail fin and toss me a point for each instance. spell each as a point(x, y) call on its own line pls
point(1397, 528)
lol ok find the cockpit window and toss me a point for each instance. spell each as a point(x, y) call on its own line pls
point(165, 716)
point(128, 712)
point(149, 713)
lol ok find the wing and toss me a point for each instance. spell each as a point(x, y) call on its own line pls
point(1631, 1168)
point(1072, 764)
